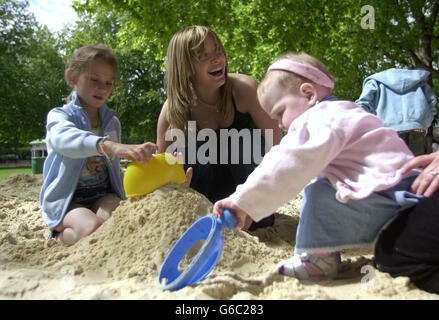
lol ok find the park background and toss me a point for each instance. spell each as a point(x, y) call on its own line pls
point(122, 258)
point(354, 38)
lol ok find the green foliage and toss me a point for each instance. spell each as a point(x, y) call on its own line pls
point(345, 34)
point(139, 96)
point(254, 32)
point(31, 74)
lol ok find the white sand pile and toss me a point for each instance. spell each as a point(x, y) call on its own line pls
point(121, 260)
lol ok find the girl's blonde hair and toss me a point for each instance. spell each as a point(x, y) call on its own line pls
point(83, 57)
point(289, 79)
point(184, 50)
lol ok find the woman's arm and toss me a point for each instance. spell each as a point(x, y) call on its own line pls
point(162, 127)
point(162, 144)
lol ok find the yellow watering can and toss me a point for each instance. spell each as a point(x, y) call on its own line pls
point(141, 179)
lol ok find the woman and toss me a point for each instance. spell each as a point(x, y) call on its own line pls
point(203, 98)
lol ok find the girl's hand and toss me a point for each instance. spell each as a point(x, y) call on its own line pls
point(427, 182)
point(134, 152)
point(240, 215)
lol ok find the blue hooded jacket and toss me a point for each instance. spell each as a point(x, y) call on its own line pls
point(401, 98)
point(69, 143)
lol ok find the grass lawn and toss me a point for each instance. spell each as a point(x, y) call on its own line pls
point(7, 172)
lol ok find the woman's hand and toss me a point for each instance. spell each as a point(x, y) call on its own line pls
point(189, 171)
point(427, 182)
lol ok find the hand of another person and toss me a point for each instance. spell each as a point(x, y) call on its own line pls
point(240, 215)
point(427, 182)
point(189, 171)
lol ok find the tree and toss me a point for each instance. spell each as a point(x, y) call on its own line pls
point(354, 38)
point(31, 73)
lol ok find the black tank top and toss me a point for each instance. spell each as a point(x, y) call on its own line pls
point(241, 120)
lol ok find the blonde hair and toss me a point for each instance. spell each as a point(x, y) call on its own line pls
point(184, 50)
point(83, 57)
point(289, 79)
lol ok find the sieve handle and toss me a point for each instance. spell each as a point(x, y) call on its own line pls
point(227, 220)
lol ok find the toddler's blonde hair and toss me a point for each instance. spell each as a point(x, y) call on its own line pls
point(291, 80)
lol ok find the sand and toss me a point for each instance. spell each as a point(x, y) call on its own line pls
point(121, 260)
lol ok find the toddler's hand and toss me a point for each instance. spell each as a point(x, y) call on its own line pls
point(240, 215)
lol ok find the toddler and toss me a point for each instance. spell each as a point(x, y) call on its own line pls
point(348, 162)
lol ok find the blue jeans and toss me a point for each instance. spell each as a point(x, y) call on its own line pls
point(327, 225)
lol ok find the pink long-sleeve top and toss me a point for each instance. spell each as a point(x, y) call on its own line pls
point(333, 139)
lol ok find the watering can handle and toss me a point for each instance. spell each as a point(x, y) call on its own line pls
point(228, 220)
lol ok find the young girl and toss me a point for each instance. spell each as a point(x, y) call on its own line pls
point(200, 89)
point(82, 176)
point(358, 187)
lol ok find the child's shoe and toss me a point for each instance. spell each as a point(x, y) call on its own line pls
point(310, 266)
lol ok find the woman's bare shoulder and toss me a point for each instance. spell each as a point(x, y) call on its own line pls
point(240, 80)
point(244, 91)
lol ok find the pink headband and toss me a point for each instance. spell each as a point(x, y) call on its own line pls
point(304, 70)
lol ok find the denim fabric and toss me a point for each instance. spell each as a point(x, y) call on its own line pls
point(328, 225)
point(401, 98)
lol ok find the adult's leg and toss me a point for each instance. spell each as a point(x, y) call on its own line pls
point(409, 246)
